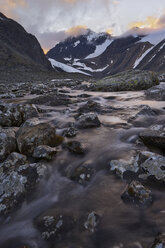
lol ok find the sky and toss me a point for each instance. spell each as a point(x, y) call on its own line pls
point(51, 21)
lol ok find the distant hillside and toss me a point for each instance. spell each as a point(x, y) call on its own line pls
point(19, 50)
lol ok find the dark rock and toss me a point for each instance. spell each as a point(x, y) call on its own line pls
point(82, 174)
point(137, 194)
point(55, 225)
point(7, 142)
point(75, 147)
point(44, 152)
point(154, 136)
point(70, 132)
point(29, 137)
point(89, 120)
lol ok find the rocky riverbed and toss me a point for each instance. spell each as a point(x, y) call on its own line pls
point(80, 168)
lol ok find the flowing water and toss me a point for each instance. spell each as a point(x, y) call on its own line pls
point(120, 225)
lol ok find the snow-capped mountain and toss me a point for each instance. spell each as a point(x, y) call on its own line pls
point(101, 55)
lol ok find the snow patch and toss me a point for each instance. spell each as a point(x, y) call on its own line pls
point(137, 62)
point(82, 66)
point(99, 49)
point(76, 43)
point(65, 68)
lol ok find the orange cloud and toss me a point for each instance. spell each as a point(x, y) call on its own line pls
point(150, 22)
point(109, 31)
point(77, 30)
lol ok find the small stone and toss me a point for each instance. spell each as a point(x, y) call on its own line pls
point(92, 222)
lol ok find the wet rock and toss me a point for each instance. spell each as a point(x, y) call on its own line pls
point(121, 166)
point(126, 81)
point(7, 142)
point(151, 165)
point(154, 136)
point(15, 114)
point(44, 152)
point(137, 194)
point(89, 120)
point(82, 174)
point(159, 241)
point(92, 222)
point(75, 147)
point(29, 137)
point(90, 106)
point(16, 182)
point(54, 226)
point(70, 132)
point(156, 93)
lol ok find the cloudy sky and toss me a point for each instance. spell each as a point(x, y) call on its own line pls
point(54, 20)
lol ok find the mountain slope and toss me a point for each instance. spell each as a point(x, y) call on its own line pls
point(19, 48)
point(103, 55)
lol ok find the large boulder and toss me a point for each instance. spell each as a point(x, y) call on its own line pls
point(154, 136)
point(7, 142)
point(127, 81)
point(156, 93)
point(30, 137)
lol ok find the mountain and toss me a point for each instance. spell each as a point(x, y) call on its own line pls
point(19, 50)
point(101, 55)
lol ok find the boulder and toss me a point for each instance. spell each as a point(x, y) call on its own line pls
point(154, 136)
point(7, 142)
point(13, 160)
point(30, 137)
point(52, 99)
point(126, 81)
point(89, 120)
point(137, 194)
point(156, 93)
point(44, 152)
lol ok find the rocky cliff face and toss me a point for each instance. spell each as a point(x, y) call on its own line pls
point(19, 48)
point(103, 55)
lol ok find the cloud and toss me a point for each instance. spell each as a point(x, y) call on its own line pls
point(49, 19)
point(151, 22)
